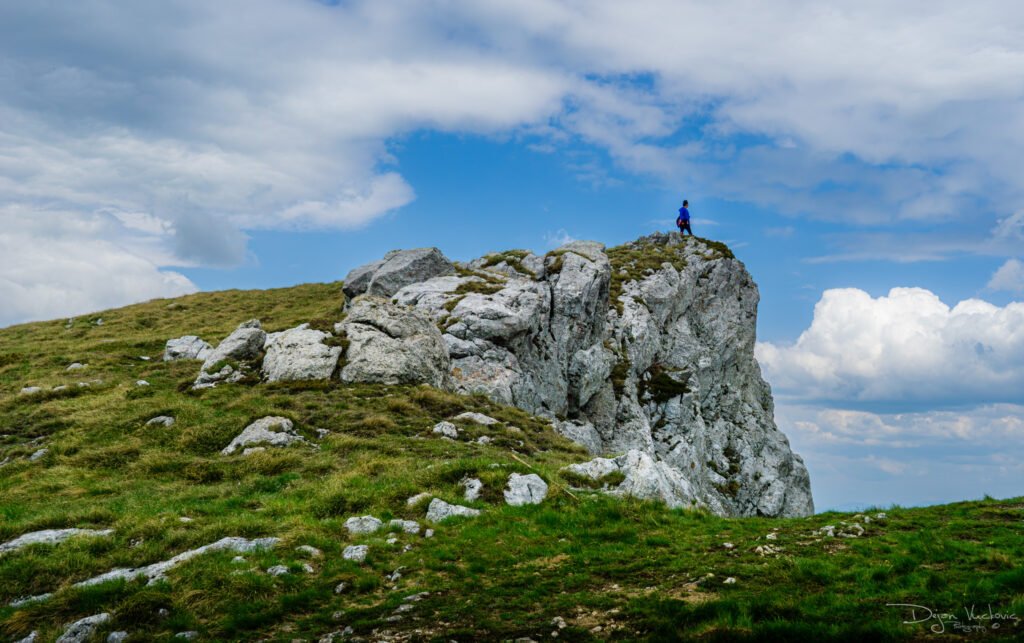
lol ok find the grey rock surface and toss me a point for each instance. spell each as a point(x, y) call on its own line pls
point(363, 525)
point(83, 629)
point(186, 347)
point(476, 418)
point(299, 354)
point(117, 637)
point(50, 537)
point(356, 553)
point(525, 490)
point(407, 526)
point(236, 354)
point(473, 487)
point(645, 478)
point(667, 369)
point(405, 267)
point(439, 510)
point(272, 430)
point(392, 344)
point(446, 429)
point(162, 420)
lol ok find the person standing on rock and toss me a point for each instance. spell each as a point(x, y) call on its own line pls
point(683, 220)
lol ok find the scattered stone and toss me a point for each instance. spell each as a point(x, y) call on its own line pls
point(27, 600)
point(50, 537)
point(428, 533)
point(190, 635)
point(771, 536)
point(827, 530)
point(476, 418)
point(117, 637)
point(473, 488)
point(851, 530)
point(446, 429)
point(165, 420)
point(728, 545)
point(76, 366)
point(185, 519)
point(81, 630)
point(391, 540)
point(363, 525)
point(418, 498)
point(729, 581)
point(415, 598)
point(145, 358)
point(273, 430)
point(322, 433)
point(356, 553)
point(396, 575)
point(141, 383)
point(157, 571)
point(559, 622)
point(277, 570)
point(439, 510)
point(300, 354)
point(309, 550)
point(98, 322)
point(62, 387)
point(36, 455)
point(340, 588)
point(766, 550)
point(253, 450)
point(238, 560)
point(484, 439)
point(30, 390)
point(880, 515)
point(407, 526)
point(525, 490)
point(306, 567)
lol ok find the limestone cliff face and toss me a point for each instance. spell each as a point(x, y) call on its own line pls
point(648, 346)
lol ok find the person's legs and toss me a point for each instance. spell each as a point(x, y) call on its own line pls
point(686, 227)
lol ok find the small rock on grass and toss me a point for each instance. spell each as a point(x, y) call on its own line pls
point(446, 429)
point(190, 635)
point(363, 524)
point(473, 488)
point(355, 553)
point(83, 629)
point(476, 418)
point(117, 637)
point(440, 510)
point(38, 454)
point(525, 490)
point(309, 550)
point(408, 526)
point(277, 570)
point(418, 498)
point(165, 420)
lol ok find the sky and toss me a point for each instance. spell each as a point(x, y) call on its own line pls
point(861, 158)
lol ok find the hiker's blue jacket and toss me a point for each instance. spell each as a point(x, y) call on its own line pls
point(684, 214)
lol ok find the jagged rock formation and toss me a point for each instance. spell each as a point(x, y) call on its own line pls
point(647, 346)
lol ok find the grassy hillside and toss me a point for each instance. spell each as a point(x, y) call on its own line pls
point(609, 569)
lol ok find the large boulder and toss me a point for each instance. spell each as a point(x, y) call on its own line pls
point(273, 431)
point(392, 344)
point(644, 477)
point(525, 490)
point(234, 356)
point(186, 347)
point(300, 354)
point(397, 269)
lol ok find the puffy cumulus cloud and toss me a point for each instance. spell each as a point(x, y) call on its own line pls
point(1009, 277)
point(907, 347)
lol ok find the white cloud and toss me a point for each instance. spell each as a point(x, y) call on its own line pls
point(861, 458)
point(1009, 277)
point(180, 117)
point(559, 238)
point(906, 347)
point(65, 277)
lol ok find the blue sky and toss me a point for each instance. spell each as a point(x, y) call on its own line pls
point(862, 159)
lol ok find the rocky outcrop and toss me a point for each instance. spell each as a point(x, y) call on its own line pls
point(647, 347)
point(391, 344)
point(299, 354)
point(233, 357)
point(642, 477)
point(397, 269)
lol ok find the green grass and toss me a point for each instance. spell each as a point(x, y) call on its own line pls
point(631, 568)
